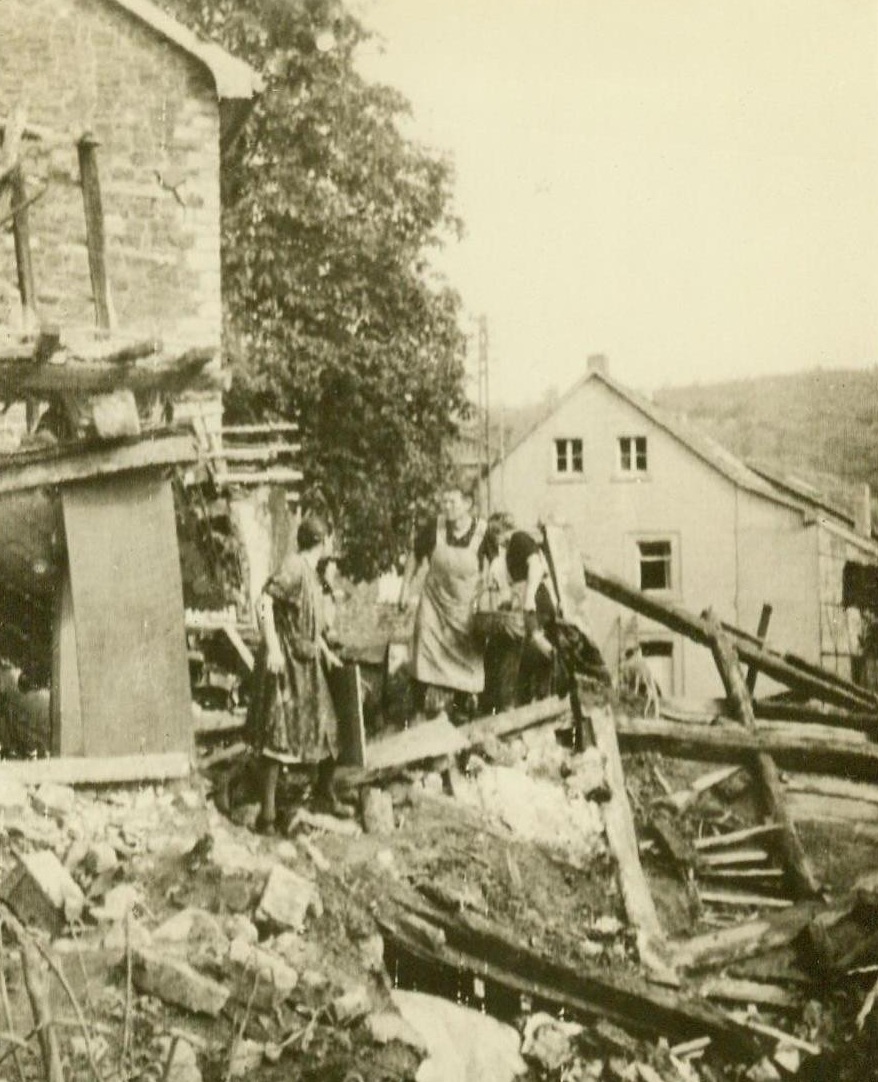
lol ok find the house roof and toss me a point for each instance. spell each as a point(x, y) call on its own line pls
point(710, 452)
point(234, 79)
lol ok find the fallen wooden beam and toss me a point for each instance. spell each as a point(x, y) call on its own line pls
point(804, 714)
point(96, 770)
point(587, 991)
point(736, 990)
point(792, 672)
point(517, 720)
point(748, 939)
point(733, 856)
point(723, 743)
point(393, 755)
point(742, 899)
point(622, 841)
point(722, 841)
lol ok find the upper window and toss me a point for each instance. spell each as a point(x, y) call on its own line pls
point(568, 456)
point(655, 565)
point(632, 454)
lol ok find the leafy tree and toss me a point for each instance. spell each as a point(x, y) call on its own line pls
point(333, 313)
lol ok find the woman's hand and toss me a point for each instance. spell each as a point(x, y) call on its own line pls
point(333, 661)
point(274, 660)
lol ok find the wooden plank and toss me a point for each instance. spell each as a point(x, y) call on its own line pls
point(518, 719)
point(638, 1005)
point(23, 259)
point(785, 669)
point(805, 714)
point(761, 632)
point(748, 939)
point(346, 687)
point(278, 475)
point(262, 453)
point(718, 841)
point(264, 429)
point(739, 898)
point(84, 463)
point(733, 856)
point(802, 879)
point(725, 744)
point(394, 754)
point(65, 705)
point(736, 990)
point(622, 840)
point(822, 808)
point(96, 770)
point(95, 237)
point(128, 610)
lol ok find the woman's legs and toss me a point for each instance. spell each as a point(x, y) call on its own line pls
point(268, 811)
point(325, 796)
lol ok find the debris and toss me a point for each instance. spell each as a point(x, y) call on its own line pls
point(55, 800)
point(548, 1041)
point(246, 1058)
point(733, 990)
point(387, 1026)
point(462, 1045)
point(684, 798)
point(589, 776)
point(118, 902)
point(351, 1006)
point(288, 898)
point(180, 1059)
point(377, 811)
point(41, 891)
point(176, 982)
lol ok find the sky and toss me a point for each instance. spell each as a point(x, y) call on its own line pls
point(689, 187)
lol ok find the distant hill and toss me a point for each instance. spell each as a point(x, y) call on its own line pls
point(820, 427)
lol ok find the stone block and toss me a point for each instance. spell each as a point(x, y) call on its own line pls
point(288, 898)
point(176, 982)
point(377, 811)
point(41, 891)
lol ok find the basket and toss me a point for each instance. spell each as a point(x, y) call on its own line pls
point(498, 623)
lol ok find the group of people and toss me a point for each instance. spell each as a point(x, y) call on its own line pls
point(481, 641)
point(486, 612)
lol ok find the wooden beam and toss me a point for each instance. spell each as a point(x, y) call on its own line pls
point(802, 880)
point(622, 840)
point(96, 770)
point(23, 260)
point(638, 1005)
point(278, 475)
point(58, 468)
point(761, 632)
point(265, 429)
point(785, 669)
point(805, 714)
point(95, 237)
point(747, 940)
point(63, 375)
point(518, 719)
point(724, 743)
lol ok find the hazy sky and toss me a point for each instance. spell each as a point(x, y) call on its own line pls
point(689, 186)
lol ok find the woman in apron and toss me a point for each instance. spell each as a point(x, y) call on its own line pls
point(446, 661)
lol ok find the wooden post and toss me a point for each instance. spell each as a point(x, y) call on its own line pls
point(94, 229)
point(761, 632)
point(802, 880)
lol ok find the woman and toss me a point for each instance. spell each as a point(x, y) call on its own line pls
point(519, 655)
point(291, 717)
point(446, 661)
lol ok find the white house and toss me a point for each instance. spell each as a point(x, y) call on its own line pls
point(671, 511)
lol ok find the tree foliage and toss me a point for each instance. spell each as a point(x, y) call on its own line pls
point(333, 313)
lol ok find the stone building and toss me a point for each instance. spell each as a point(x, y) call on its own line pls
point(161, 105)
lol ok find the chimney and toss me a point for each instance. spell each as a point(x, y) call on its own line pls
point(863, 520)
point(598, 363)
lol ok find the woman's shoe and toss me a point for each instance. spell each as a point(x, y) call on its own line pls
point(329, 804)
point(266, 827)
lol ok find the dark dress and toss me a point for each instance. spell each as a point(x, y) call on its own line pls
point(291, 716)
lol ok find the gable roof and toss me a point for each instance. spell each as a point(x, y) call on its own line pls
point(710, 452)
point(234, 79)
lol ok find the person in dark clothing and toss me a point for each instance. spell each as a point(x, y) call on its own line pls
point(519, 657)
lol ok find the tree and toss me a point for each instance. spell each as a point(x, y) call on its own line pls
point(333, 313)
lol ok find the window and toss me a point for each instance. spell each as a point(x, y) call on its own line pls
point(568, 456)
point(655, 565)
point(632, 454)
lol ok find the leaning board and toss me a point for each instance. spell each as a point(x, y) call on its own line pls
point(128, 613)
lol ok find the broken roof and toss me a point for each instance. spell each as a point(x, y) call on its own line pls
point(234, 79)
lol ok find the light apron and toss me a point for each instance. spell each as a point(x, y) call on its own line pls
point(444, 651)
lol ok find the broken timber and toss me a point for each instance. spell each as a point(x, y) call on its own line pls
point(585, 991)
point(786, 669)
point(802, 880)
point(622, 840)
point(727, 743)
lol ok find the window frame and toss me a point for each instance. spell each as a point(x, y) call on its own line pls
point(674, 579)
point(574, 451)
point(630, 451)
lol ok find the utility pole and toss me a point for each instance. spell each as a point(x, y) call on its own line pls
point(484, 437)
